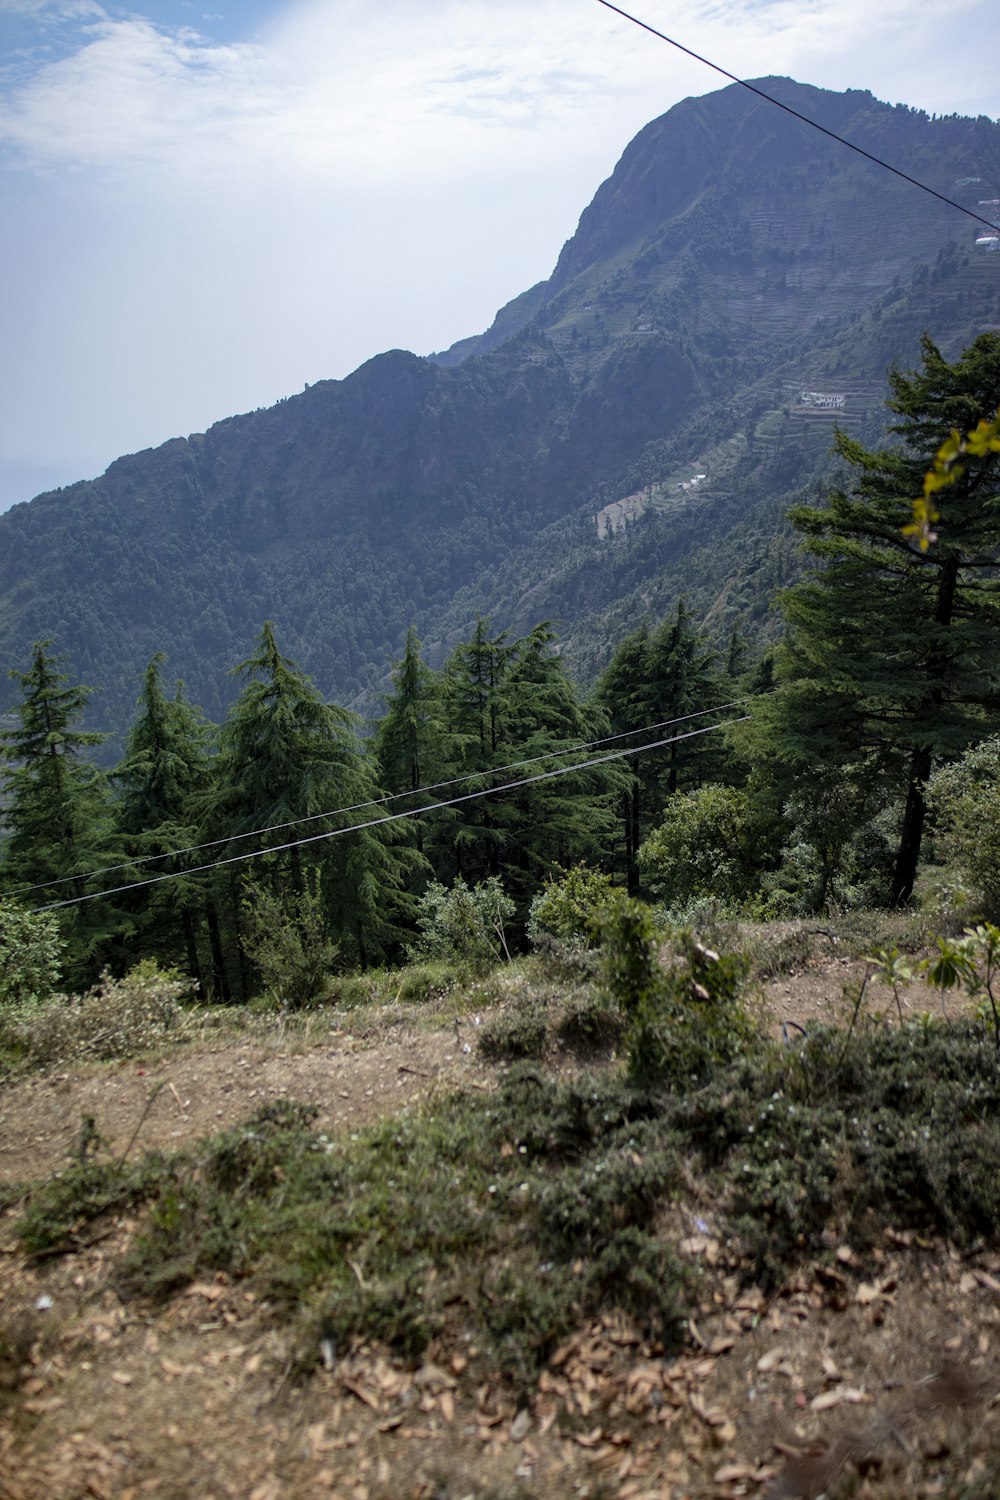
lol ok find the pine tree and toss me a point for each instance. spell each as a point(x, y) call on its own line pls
point(507, 702)
point(286, 757)
point(564, 819)
point(892, 659)
point(654, 678)
point(409, 741)
point(57, 814)
point(474, 697)
point(163, 782)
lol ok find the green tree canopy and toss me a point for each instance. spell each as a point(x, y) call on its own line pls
point(653, 677)
point(891, 663)
point(286, 757)
point(57, 815)
point(163, 784)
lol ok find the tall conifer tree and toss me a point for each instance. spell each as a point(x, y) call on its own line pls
point(410, 743)
point(287, 756)
point(163, 782)
point(654, 677)
point(57, 818)
point(892, 659)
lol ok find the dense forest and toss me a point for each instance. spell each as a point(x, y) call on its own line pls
point(770, 783)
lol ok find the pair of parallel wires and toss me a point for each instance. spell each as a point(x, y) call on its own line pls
point(579, 767)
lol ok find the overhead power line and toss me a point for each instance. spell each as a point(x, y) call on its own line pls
point(338, 812)
point(814, 124)
point(412, 812)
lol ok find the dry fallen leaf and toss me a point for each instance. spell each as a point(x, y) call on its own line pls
point(604, 1458)
point(839, 1395)
point(733, 1473)
point(771, 1360)
point(520, 1426)
point(721, 1345)
point(209, 1290)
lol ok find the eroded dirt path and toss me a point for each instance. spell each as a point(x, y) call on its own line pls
point(197, 1091)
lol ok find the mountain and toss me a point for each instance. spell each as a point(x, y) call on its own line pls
point(632, 428)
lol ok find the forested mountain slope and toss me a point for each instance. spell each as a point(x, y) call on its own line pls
point(630, 429)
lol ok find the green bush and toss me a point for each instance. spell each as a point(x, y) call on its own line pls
point(567, 905)
point(288, 939)
point(415, 984)
point(30, 948)
point(464, 923)
point(383, 1236)
point(420, 984)
point(839, 847)
point(889, 1126)
point(522, 1030)
point(706, 845)
point(58, 1212)
point(588, 1023)
point(964, 799)
point(684, 1019)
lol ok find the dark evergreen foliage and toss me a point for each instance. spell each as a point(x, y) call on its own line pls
point(163, 784)
point(57, 811)
point(892, 661)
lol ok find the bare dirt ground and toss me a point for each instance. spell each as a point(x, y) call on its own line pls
point(888, 1371)
point(201, 1090)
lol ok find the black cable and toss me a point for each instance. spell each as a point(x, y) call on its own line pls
point(915, 182)
point(412, 812)
point(336, 812)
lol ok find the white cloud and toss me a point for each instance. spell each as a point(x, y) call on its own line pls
point(335, 91)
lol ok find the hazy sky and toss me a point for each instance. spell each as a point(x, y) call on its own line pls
point(204, 209)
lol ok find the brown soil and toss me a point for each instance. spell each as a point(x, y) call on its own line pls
point(196, 1092)
point(887, 1371)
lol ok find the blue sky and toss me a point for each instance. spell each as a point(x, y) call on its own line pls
point(203, 208)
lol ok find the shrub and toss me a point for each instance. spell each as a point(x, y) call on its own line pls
point(518, 1032)
point(30, 948)
point(705, 846)
point(839, 847)
point(964, 799)
point(289, 942)
point(528, 1207)
point(589, 1023)
point(420, 984)
point(464, 923)
point(567, 905)
point(684, 1020)
point(85, 1190)
point(117, 1018)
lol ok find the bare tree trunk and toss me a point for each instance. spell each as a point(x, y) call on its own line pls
point(911, 833)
